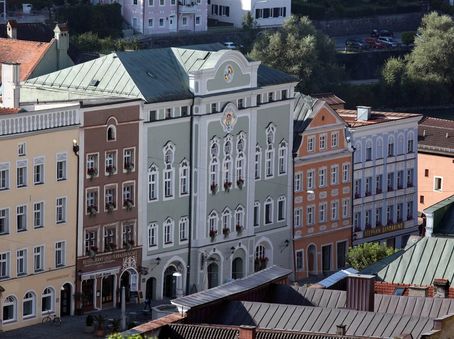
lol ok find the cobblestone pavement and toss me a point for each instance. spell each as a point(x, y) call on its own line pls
point(73, 327)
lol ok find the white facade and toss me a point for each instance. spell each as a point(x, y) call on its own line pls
point(264, 12)
point(385, 181)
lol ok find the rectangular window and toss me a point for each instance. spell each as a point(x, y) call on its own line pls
point(268, 212)
point(152, 235)
point(184, 179)
point(92, 165)
point(128, 159)
point(60, 210)
point(310, 215)
point(322, 141)
point(357, 221)
point(168, 183)
point(310, 179)
point(378, 183)
point(4, 176)
point(334, 210)
point(38, 258)
point(390, 182)
point(153, 113)
point(152, 184)
point(297, 217)
point(168, 236)
point(21, 262)
point(110, 239)
point(270, 96)
point(258, 163)
point(358, 189)
point(410, 147)
point(281, 209)
point(310, 143)
point(284, 94)
point(4, 265)
point(368, 218)
point(38, 214)
point(21, 149)
point(184, 229)
point(214, 107)
point(299, 260)
point(378, 217)
point(92, 202)
point(150, 2)
point(369, 153)
point(400, 211)
point(438, 184)
point(169, 112)
point(110, 198)
point(421, 199)
point(390, 214)
point(269, 158)
point(128, 234)
point(368, 186)
point(341, 254)
point(257, 214)
point(345, 208)
point(334, 139)
point(91, 242)
point(38, 171)
point(345, 173)
point(400, 180)
point(259, 99)
point(21, 218)
point(184, 111)
point(334, 174)
point(298, 182)
point(4, 221)
point(426, 172)
point(390, 149)
point(21, 174)
point(322, 212)
point(240, 103)
point(409, 210)
point(61, 166)
point(60, 254)
point(111, 163)
point(410, 175)
point(326, 258)
point(197, 20)
point(128, 196)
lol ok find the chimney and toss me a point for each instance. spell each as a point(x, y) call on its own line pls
point(341, 329)
point(418, 291)
point(363, 113)
point(10, 85)
point(441, 288)
point(11, 29)
point(61, 35)
point(360, 292)
point(247, 332)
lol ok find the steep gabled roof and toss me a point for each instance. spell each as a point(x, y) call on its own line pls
point(26, 53)
point(436, 136)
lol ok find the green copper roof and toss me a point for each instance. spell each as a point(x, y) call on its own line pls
point(154, 75)
point(426, 260)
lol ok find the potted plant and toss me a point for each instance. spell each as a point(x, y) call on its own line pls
point(110, 169)
point(89, 324)
point(110, 206)
point(128, 244)
point(227, 186)
point(238, 228)
point(92, 172)
point(213, 188)
point(94, 249)
point(92, 209)
point(240, 183)
point(213, 234)
point(116, 324)
point(225, 231)
point(128, 204)
point(100, 321)
point(129, 166)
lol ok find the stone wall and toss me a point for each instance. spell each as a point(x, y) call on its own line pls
point(396, 23)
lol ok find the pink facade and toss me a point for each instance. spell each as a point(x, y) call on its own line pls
point(166, 16)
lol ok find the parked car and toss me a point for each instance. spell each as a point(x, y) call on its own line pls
point(230, 45)
point(355, 45)
point(374, 43)
point(376, 33)
point(388, 41)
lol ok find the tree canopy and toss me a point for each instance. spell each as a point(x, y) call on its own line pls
point(361, 256)
point(299, 49)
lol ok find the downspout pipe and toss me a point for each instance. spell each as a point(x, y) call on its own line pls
point(191, 175)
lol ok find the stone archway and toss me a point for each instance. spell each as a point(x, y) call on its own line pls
point(169, 288)
point(237, 268)
point(213, 274)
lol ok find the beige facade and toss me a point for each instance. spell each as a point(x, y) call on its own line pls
point(38, 187)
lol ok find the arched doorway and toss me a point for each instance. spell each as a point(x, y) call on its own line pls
point(125, 282)
point(150, 291)
point(108, 289)
point(312, 259)
point(213, 275)
point(237, 268)
point(169, 289)
point(65, 300)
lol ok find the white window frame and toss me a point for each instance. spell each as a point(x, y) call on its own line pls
point(213, 177)
point(256, 213)
point(258, 163)
point(128, 193)
point(168, 183)
point(322, 182)
point(269, 152)
point(184, 178)
point(310, 180)
point(268, 202)
point(4, 176)
point(213, 222)
point(50, 295)
point(60, 210)
point(322, 141)
point(21, 210)
point(153, 183)
point(38, 254)
point(334, 139)
point(334, 210)
point(345, 208)
point(168, 232)
point(61, 167)
point(5, 265)
point(4, 217)
point(282, 158)
point(60, 253)
point(110, 161)
point(21, 260)
point(129, 159)
point(38, 171)
point(21, 173)
point(322, 212)
point(38, 211)
point(310, 143)
point(152, 238)
point(239, 217)
point(92, 165)
point(298, 182)
point(226, 219)
point(436, 178)
point(297, 217)
point(31, 298)
point(183, 228)
point(281, 201)
point(345, 173)
point(310, 215)
point(299, 253)
point(334, 174)
point(10, 301)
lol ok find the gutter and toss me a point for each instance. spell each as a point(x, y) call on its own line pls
point(191, 175)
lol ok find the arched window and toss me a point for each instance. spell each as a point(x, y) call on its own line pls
point(168, 231)
point(260, 258)
point(227, 165)
point(268, 211)
point(226, 220)
point(239, 218)
point(183, 225)
point(152, 235)
point(184, 178)
point(169, 172)
point(237, 268)
point(258, 162)
point(391, 146)
point(47, 300)
point(9, 309)
point(214, 166)
point(28, 305)
point(368, 150)
point(111, 133)
point(213, 224)
point(269, 153)
point(400, 144)
point(379, 148)
point(240, 160)
point(153, 179)
point(282, 159)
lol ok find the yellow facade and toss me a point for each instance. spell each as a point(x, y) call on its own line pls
point(48, 268)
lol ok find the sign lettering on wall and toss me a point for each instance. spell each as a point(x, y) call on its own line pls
point(383, 229)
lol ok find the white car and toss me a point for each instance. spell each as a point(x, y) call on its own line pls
point(388, 41)
point(230, 45)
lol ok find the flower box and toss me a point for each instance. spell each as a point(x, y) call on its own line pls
point(92, 172)
point(239, 228)
point(92, 210)
point(110, 206)
point(94, 249)
point(110, 169)
point(240, 183)
point(213, 188)
point(225, 231)
point(128, 204)
point(213, 234)
point(227, 186)
point(129, 166)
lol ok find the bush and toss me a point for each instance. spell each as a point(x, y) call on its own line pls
point(361, 256)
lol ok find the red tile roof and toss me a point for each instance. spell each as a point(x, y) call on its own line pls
point(330, 98)
point(350, 117)
point(5, 111)
point(158, 323)
point(436, 135)
point(27, 53)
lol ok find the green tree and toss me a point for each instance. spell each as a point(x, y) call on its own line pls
point(249, 22)
point(299, 49)
point(361, 256)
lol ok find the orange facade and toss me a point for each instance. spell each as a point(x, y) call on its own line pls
point(322, 195)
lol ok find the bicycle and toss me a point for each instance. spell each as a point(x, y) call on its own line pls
point(51, 317)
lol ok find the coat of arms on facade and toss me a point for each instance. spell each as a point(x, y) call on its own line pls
point(229, 118)
point(228, 74)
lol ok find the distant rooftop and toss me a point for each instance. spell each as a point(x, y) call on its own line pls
point(350, 117)
point(436, 136)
